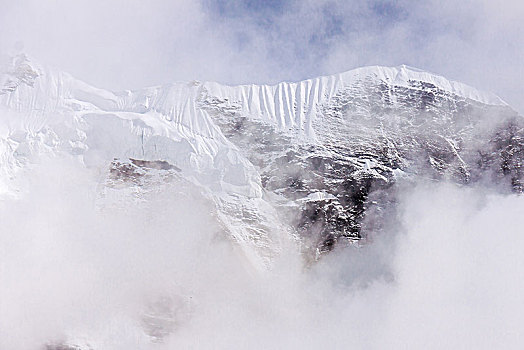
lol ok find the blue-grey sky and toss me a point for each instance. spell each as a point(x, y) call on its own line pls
point(120, 44)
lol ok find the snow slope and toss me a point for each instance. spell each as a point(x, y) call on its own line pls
point(48, 112)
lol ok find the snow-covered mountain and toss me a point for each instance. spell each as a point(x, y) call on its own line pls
point(319, 163)
point(311, 158)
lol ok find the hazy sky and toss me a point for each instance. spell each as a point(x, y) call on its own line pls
point(123, 44)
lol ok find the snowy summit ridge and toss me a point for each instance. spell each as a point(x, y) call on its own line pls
point(244, 145)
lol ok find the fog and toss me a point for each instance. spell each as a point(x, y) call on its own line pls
point(79, 267)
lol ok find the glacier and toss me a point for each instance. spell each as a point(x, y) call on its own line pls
point(313, 165)
point(255, 149)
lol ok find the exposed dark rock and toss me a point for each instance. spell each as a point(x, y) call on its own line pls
point(368, 133)
point(65, 346)
point(135, 170)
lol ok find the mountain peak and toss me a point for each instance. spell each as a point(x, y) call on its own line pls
point(320, 145)
point(404, 75)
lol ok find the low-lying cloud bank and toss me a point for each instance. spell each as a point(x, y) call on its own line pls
point(446, 276)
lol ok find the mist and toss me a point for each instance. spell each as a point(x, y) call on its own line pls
point(445, 275)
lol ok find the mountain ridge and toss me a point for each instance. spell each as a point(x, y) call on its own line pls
point(318, 150)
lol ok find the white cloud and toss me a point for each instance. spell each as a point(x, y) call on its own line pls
point(446, 276)
point(129, 44)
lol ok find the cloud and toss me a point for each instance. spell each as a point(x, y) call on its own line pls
point(480, 43)
point(129, 44)
point(446, 275)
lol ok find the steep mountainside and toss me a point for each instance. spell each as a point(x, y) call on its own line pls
point(311, 158)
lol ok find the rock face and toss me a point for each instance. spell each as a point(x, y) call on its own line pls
point(318, 161)
point(368, 133)
point(312, 158)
